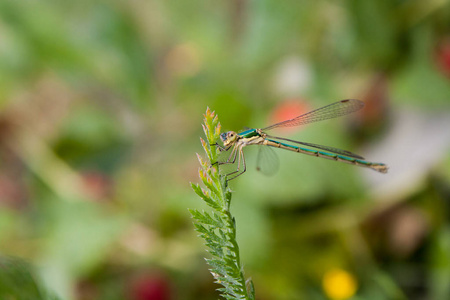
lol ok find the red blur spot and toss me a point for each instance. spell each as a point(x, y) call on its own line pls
point(96, 185)
point(289, 109)
point(150, 287)
point(443, 57)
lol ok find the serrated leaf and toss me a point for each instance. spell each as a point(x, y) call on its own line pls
point(198, 190)
point(203, 163)
point(204, 129)
point(198, 216)
point(210, 220)
point(209, 184)
point(206, 148)
point(234, 281)
point(229, 297)
point(202, 229)
point(217, 129)
point(222, 290)
point(250, 288)
point(221, 279)
point(231, 262)
point(218, 218)
point(195, 214)
point(214, 252)
point(215, 120)
point(219, 265)
point(215, 239)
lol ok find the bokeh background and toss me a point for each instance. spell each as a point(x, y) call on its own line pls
point(100, 119)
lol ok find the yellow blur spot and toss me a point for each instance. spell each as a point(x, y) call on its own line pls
point(339, 284)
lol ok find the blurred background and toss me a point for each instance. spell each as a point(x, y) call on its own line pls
point(100, 119)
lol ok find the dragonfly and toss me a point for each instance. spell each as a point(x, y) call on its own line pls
point(237, 141)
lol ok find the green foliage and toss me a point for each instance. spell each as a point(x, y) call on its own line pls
point(218, 228)
point(18, 282)
point(98, 113)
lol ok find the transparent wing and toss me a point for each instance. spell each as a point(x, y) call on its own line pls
point(330, 111)
point(326, 148)
point(267, 161)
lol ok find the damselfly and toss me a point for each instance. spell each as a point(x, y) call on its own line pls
point(237, 141)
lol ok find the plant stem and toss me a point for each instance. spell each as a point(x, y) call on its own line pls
point(218, 228)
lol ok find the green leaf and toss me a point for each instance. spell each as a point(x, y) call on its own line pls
point(198, 190)
point(206, 218)
point(18, 281)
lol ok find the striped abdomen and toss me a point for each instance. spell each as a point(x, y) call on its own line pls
point(379, 167)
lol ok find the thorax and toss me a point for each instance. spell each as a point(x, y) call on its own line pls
point(250, 137)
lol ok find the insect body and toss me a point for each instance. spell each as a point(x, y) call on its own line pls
point(237, 141)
